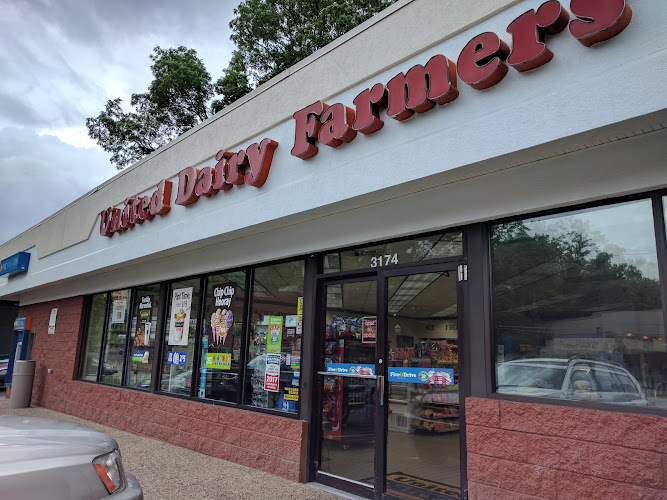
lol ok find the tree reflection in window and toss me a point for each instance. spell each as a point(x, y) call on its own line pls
point(580, 286)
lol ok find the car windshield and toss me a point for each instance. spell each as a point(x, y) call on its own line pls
point(543, 376)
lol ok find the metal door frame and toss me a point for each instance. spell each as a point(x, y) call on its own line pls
point(380, 276)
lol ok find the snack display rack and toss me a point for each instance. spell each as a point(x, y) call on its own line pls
point(434, 409)
point(428, 408)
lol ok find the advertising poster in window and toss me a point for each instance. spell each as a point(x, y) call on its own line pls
point(179, 323)
point(119, 307)
point(272, 374)
point(369, 327)
point(218, 361)
point(274, 338)
point(221, 316)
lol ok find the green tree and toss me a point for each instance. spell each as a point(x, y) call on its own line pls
point(175, 102)
point(272, 35)
point(233, 85)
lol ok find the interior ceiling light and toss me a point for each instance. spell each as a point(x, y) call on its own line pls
point(412, 286)
point(446, 312)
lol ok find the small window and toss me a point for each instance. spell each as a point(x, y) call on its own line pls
point(276, 333)
point(179, 337)
point(116, 337)
point(91, 351)
point(221, 336)
point(582, 289)
point(420, 249)
point(142, 337)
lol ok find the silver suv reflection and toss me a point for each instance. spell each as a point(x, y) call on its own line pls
point(576, 379)
point(44, 458)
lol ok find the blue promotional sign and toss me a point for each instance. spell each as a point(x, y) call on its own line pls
point(434, 376)
point(176, 358)
point(17, 263)
point(351, 368)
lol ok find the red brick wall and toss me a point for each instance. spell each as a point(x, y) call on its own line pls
point(266, 442)
point(526, 451)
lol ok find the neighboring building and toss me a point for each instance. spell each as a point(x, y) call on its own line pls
point(470, 300)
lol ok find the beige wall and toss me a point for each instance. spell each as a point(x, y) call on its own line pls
point(390, 37)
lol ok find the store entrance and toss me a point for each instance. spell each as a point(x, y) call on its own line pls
point(388, 385)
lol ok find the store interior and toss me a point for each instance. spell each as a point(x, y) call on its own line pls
point(423, 455)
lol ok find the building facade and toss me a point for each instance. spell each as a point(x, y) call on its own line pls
point(429, 261)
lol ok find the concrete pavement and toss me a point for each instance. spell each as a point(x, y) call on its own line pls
point(166, 471)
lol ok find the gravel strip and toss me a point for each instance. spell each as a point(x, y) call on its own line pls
point(166, 471)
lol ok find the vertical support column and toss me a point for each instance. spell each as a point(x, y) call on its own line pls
point(309, 363)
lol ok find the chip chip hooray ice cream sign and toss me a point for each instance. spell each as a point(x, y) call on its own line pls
point(221, 316)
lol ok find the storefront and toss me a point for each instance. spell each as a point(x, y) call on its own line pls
point(420, 265)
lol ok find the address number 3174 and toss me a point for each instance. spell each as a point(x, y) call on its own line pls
point(384, 260)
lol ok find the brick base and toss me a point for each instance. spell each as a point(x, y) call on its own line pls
point(531, 451)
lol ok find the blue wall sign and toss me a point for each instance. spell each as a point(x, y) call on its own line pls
point(17, 263)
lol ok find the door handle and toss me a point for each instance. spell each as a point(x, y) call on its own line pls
point(379, 388)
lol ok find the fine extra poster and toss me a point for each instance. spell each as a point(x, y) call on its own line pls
point(179, 323)
point(221, 317)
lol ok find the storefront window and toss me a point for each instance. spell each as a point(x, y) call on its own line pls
point(116, 337)
point(179, 338)
point(91, 352)
point(274, 357)
point(438, 246)
point(577, 307)
point(142, 336)
point(221, 336)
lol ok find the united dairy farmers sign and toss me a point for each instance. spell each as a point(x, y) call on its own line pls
point(482, 63)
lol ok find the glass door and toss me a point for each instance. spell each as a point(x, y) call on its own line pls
point(349, 383)
point(423, 439)
point(389, 385)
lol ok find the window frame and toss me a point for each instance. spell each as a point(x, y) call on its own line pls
point(158, 331)
point(655, 197)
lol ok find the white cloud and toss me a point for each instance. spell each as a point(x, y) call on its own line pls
point(74, 136)
point(41, 175)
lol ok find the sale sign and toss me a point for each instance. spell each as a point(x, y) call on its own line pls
point(272, 375)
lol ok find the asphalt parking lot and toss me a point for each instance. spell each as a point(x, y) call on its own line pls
point(166, 471)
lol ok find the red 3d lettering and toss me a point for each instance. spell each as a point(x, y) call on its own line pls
point(529, 31)
point(185, 194)
point(336, 128)
point(368, 104)
point(598, 20)
point(481, 63)
point(422, 87)
point(307, 127)
point(260, 157)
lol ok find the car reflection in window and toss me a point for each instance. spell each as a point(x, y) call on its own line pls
point(574, 379)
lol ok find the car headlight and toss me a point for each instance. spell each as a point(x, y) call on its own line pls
point(110, 469)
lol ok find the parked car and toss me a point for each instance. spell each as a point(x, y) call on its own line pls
point(3, 370)
point(44, 458)
point(179, 383)
point(577, 379)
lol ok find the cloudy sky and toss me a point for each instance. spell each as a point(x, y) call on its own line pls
point(61, 61)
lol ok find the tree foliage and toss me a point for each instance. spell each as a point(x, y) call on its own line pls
point(175, 102)
point(233, 85)
point(270, 36)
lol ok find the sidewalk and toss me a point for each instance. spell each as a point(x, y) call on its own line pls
point(166, 471)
